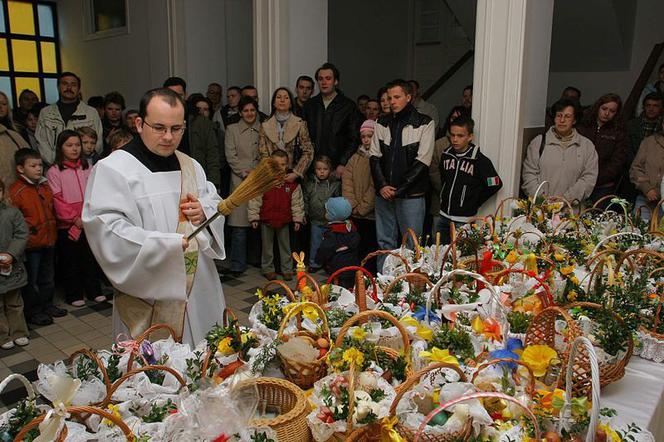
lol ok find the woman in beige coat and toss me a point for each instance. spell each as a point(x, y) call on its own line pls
point(242, 155)
point(646, 174)
point(287, 132)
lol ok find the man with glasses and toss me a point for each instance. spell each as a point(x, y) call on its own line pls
point(140, 205)
point(562, 157)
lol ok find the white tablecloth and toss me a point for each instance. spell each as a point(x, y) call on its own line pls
point(638, 396)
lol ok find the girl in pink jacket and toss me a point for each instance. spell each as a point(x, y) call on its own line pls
point(68, 177)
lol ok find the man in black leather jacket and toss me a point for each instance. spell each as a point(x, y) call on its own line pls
point(400, 154)
point(333, 119)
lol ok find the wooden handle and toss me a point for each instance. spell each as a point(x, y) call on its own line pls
point(115, 385)
point(146, 334)
point(298, 308)
point(335, 276)
point(90, 354)
point(283, 285)
point(412, 275)
point(378, 314)
point(416, 244)
point(385, 252)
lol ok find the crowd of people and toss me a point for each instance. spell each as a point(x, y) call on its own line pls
point(358, 173)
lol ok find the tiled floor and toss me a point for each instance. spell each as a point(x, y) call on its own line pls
point(90, 327)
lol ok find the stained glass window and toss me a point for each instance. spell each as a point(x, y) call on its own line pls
point(29, 49)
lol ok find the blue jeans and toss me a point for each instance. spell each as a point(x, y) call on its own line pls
point(316, 239)
point(442, 225)
point(38, 294)
point(239, 249)
point(396, 216)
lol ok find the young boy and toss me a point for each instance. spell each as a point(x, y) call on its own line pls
point(32, 195)
point(274, 211)
point(88, 144)
point(341, 242)
point(119, 138)
point(468, 178)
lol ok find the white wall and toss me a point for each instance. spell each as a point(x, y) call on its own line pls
point(307, 38)
point(647, 32)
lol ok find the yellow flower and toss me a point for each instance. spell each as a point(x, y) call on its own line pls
point(477, 325)
point(531, 262)
point(574, 280)
point(245, 337)
point(558, 256)
point(310, 313)
point(512, 257)
point(438, 355)
point(571, 296)
point(420, 330)
point(359, 333)
point(115, 411)
point(611, 434)
point(353, 357)
point(259, 294)
point(224, 347)
point(538, 357)
point(567, 270)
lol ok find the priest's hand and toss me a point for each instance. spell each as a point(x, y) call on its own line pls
point(185, 243)
point(193, 210)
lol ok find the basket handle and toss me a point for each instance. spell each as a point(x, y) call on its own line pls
point(385, 252)
point(146, 334)
point(79, 410)
point(94, 358)
point(654, 216)
point(306, 276)
point(283, 285)
point(374, 313)
point(26, 383)
point(480, 395)
point(115, 385)
point(421, 276)
point(547, 299)
point(299, 308)
point(530, 389)
point(414, 379)
point(416, 244)
point(374, 286)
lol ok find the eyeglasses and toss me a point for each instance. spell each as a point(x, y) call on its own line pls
point(160, 129)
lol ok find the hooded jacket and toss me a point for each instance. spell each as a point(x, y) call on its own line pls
point(401, 151)
point(648, 165)
point(35, 201)
point(316, 194)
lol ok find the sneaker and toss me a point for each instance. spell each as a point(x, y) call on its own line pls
point(55, 312)
point(287, 276)
point(40, 319)
point(22, 342)
point(100, 298)
point(7, 345)
point(78, 303)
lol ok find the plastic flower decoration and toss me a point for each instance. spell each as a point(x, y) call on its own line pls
point(438, 355)
point(611, 434)
point(359, 334)
point(421, 312)
point(225, 346)
point(422, 331)
point(310, 313)
point(115, 411)
point(551, 402)
point(353, 357)
point(512, 257)
point(538, 358)
point(488, 327)
point(558, 256)
point(567, 270)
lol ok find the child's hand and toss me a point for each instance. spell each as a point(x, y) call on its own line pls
point(296, 227)
point(254, 224)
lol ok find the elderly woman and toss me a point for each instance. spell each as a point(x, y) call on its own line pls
point(287, 132)
point(242, 155)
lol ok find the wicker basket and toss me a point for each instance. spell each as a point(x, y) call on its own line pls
point(115, 385)
point(530, 388)
point(390, 352)
point(93, 357)
point(408, 433)
point(78, 410)
point(157, 329)
point(378, 253)
point(227, 317)
point(291, 424)
point(304, 374)
point(544, 294)
point(360, 272)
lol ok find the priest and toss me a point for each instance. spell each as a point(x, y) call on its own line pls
point(141, 202)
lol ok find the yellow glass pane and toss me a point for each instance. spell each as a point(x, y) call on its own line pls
point(4, 60)
point(48, 57)
point(25, 55)
point(21, 18)
point(28, 83)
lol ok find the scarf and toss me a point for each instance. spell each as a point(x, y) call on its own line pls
point(364, 152)
point(72, 164)
point(649, 127)
point(281, 118)
point(566, 140)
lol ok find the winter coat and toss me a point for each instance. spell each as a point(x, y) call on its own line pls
point(204, 147)
point(68, 186)
point(469, 179)
point(35, 201)
point(278, 206)
point(610, 142)
point(434, 175)
point(50, 124)
point(316, 194)
point(401, 151)
point(335, 130)
point(648, 166)
point(13, 238)
point(241, 155)
point(357, 186)
point(571, 172)
point(339, 249)
point(297, 143)
point(10, 142)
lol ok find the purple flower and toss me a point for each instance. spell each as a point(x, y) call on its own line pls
point(514, 344)
point(148, 352)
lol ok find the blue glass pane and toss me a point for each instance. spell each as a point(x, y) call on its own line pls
point(51, 93)
point(2, 19)
point(6, 87)
point(46, 28)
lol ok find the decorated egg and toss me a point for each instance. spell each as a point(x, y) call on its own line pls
point(438, 420)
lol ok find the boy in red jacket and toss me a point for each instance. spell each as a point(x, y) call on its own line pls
point(32, 195)
point(274, 211)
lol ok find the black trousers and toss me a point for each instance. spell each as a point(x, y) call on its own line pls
point(78, 267)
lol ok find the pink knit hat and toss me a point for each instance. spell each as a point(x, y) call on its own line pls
point(368, 125)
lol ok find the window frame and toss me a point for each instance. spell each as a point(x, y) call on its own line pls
point(89, 23)
point(10, 37)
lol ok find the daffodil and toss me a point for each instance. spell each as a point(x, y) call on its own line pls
point(353, 357)
point(538, 357)
point(310, 313)
point(611, 434)
point(567, 270)
point(438, 355)
point(224, 347)
point(571, 296)
point(551, 401)
point(531, 262)
point(574, 280)
point(477, 325)
point(422, 331)
point(359, 334)
point(115, 411)
point(245, 337)
point(558, 256)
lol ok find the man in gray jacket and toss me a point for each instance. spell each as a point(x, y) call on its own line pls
point(564, 158)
